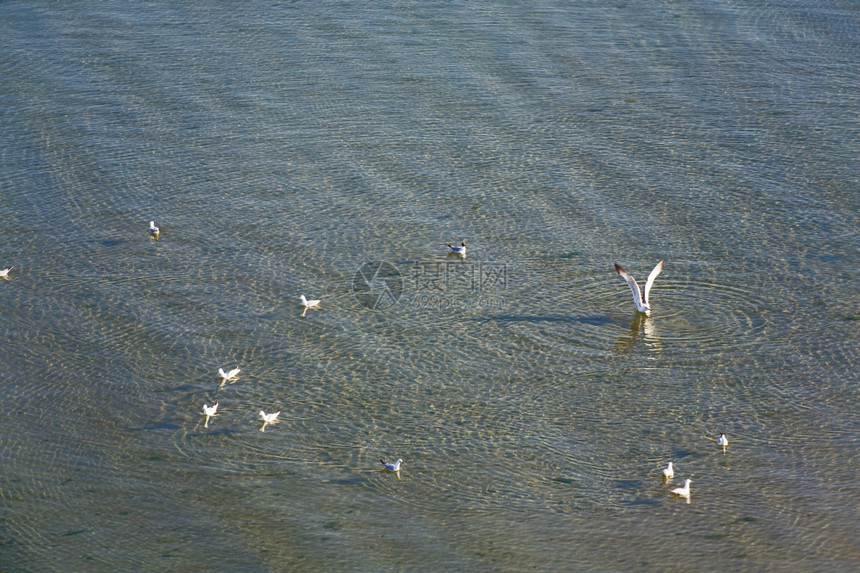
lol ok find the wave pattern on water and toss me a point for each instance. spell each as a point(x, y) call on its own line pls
point(281, 147)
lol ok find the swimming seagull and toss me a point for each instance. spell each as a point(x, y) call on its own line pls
point(209, 411)
point(723, 441)
point(5, 272)
point(640, 297)
point(228, 375)
point(268, 419)
point(684, 491)
point(668, 473)
point(306, 304)
point(309, 303)
point(153, 230)
point(458, 250)
point(395, 467)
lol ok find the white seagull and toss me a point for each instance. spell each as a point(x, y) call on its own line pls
point(723, 441)
point(209, 411)
point(153, 230)
point(640, 297)
point(684, 491)
point(309, 303)
point(225, 376)
point(395, 467)
point(5, 272)
point(458, 250)
point(306, 304)
point(668, 473)
point(268, 419)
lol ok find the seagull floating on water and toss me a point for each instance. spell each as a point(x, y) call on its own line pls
point(668, 473)
point(309, 303)
point(268, 419)
point(723, 441)
point(5, 272)
point(457, 250)
point(225, 376)
point(640, 297)
point(684, 491)
point(392, 467)
point(153, 230)
point(306, 304)
point(209, 411)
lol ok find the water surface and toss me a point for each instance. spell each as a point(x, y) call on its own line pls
point(282, 146)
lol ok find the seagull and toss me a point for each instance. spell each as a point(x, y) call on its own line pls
point(458, 250)
point(639, 297)
point(5, 272)
point(668, 473)
point(684, 491)
point(268, 419)
point(209, 411)
point(309, 303)
point(395, 467)
point(723, 441)
point(153, 230)
point(228, 375)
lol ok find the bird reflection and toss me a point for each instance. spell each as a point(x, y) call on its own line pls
point(643, 325)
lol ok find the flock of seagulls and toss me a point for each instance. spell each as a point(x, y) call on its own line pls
point(208, 411)
point(640, 299)
point(267, 419)
point(211, 411)
point(669, 472)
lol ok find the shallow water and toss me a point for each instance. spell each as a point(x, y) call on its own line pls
point(283, 147)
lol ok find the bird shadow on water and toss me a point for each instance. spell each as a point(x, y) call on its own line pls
point(640, 329)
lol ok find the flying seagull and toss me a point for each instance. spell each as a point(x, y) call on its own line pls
point(640, 297)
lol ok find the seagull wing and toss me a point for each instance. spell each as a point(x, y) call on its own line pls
point(631, 282)
point(657, 270)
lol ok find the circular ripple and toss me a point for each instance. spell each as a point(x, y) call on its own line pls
point(691, 319)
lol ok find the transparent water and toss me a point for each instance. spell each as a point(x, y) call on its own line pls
point(283, 146)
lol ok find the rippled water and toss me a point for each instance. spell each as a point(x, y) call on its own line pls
point(281, 147)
